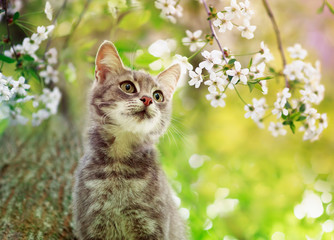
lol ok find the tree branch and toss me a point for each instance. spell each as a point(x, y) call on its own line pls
point(4, 5)
point(213, 31)
point(76, 24)
point(278, 37)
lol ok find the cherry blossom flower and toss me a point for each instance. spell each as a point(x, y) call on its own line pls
point(51, 56)
point(217, 80)
point(297, 51)
point(49, 74)
point(276, 129)
point(247, 31)
point(246, 11)
point(48, 10)
point(257, 110)
point(233, 10)
point(238, 74)
point(223, 22)
point(183, 61)
point(16, 118)
point(193, 40)
point(169, 9)
point(217, 99)
point(39, 117)
point(19, 86)
point(211, 58)
point(196, 77)
point(5, 93)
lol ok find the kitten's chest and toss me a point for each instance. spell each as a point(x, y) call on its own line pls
point(116, 183)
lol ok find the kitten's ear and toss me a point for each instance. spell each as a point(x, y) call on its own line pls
point(107, 61)
point(169, 77)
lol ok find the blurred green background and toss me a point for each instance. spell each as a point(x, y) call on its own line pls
point(247, 184)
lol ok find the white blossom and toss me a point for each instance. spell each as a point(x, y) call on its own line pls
point(247, 30)
point(29, 46)
point(233, 10)
point(294, 70)
point(5, 93)
point(51, 56)
point(265, 53)
point(39, 117)
point(276, 129)
point(257, 110)
point(162, 48)
point(19, 86)
point(16, 118)
point(216, 80)
point(281, 102)
point(216, 99)
point(196, 77)
point(51, 99)
point(48, 10)
point(238, 74)
point(223, 22)
point(323, 121)
point(169, 9)
point(49, 74)
point(297, 51)
point(246, 11)
point(211, 58)
point(183, 61)
point(193, 40)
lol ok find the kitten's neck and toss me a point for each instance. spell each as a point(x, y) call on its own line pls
point(114, 144)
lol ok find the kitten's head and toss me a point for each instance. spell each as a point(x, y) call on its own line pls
point(131, 101)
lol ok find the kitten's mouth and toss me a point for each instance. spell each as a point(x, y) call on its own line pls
point(143, 114)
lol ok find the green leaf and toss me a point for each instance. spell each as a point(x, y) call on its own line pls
point(258, 87)
point(321, 9)
point(293, 127)
point(134, 20)
point(250, 63)
point(302, 108)
point(301, 118)
point(287, 122)
point(284, 117)
point(16, 16)
point(3, 125)
point(287, 105)
point(232, 61)
point(295, 115)
point(330, 7)
point(145, 59)
point(265, 78)
point(6, 59)
point(126, 45)
point(33, 74)
point(272, 70)
point(251, 86)
point(28, 58)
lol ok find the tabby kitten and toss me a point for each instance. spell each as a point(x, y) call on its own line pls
point(120, 189)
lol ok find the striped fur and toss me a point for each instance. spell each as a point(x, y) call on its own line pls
point(120, 189)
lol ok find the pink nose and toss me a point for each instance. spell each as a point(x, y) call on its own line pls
point(146, 100)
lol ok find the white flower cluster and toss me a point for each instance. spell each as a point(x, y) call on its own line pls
point(222, 75)
point(240, 12)
point(13, 93)
point(193, 40)
point(170, 9)
point(50, 101)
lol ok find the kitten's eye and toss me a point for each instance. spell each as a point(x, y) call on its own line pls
point(158, 96)
point(128, 87)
